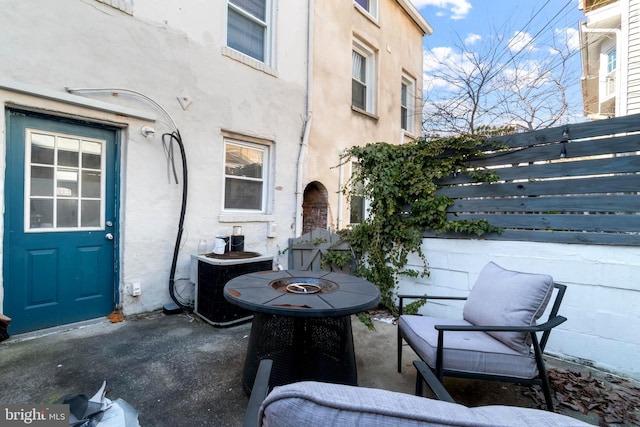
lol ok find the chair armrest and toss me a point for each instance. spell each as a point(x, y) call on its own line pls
point(425, 374)
point(551, 323)
point(402, 297)
point(258, 393)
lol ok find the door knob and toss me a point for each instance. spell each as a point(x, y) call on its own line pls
point(109, 236)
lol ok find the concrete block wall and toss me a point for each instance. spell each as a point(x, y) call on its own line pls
point(602, 302)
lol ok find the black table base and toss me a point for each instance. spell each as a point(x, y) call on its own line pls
point(302, 348)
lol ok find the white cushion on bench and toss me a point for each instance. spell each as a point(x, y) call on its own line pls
point(321, 404)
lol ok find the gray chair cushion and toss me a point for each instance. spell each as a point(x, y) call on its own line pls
point(508, 298)
point(321, 404)
point(465, 351)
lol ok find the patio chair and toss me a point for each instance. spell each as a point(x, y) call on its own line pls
point(312, 403)
point(497, 339)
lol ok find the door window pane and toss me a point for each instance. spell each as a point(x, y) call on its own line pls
point(41, 213)
point(42, 149)
point(67, 213)
point(64, 184)
point(91, 185)
point(41, 181)
point(90, 213)
point(91, 155)
point(68, 152)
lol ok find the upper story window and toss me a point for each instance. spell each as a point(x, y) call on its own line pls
point(363, 78)
point(248, 29)
point(407, 103)
point(245, 172)
point(610, 78)
point(371, 6)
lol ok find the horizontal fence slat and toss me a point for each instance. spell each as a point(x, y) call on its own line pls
point(555, 150)
point(624, 203)
point(614, 184)
point(624, 124)
point(587, 238)
point(602, 222)
point(624, 164)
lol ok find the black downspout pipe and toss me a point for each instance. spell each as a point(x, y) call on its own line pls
point(176, 136)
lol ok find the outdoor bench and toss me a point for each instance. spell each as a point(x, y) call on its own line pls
point(312, 403)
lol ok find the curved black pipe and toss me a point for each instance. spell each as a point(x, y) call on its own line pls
point(176, 136)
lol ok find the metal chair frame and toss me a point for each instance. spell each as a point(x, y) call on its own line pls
point(541, 379)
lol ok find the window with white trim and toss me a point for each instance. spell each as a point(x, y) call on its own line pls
point(371, 6)
point(248, 28)
point(610, 78)
point(363, 78)
point(245, 176)
point(407, 103)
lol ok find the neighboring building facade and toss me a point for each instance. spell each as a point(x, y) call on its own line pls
point(91, 209)
point(610, 50)
point(367, 87)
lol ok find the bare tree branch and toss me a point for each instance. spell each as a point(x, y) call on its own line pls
point(489, 84)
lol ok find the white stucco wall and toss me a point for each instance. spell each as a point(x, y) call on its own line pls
point(166, 49)
point(602, 302)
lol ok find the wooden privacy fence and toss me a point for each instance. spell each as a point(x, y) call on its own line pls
point(306, 252)
point(577, 183)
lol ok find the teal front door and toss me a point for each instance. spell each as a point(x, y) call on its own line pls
point(60, 230)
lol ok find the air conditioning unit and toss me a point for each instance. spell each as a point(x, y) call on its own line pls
point(210, 275)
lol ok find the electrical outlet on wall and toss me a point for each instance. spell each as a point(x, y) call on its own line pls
point(272, 229)
point(136, 289)
point(133, 288)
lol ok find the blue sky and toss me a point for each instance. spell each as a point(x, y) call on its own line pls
point(527, 26)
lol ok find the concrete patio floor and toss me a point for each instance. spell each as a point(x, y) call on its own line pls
point(179, 371)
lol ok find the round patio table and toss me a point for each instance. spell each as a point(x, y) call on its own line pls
point(302, 322)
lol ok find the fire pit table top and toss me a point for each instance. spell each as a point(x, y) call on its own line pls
point(302, 293)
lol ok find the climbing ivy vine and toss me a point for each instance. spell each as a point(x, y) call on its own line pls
point(400, 183)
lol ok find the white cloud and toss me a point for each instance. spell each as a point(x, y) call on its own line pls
point(459, 8)
point(439, 62)
point(521, 41)
point(529, 73)
point(436, 57)
point(472, 38)
point(570, 36)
